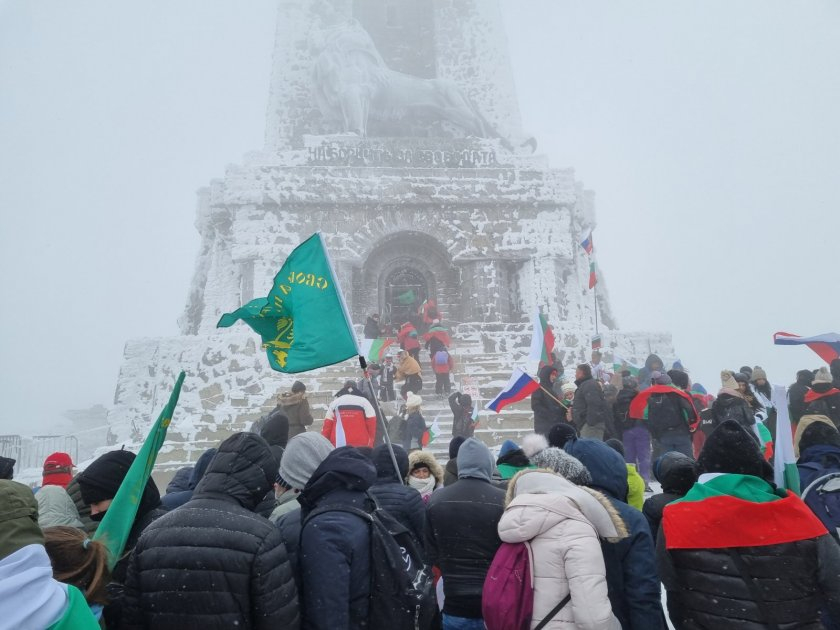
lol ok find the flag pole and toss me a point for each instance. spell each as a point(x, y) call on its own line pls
point(380, 417)
point(595, 294)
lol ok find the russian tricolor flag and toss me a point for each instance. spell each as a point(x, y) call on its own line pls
point(519, 387)
point(826, 346)
point(587, 244)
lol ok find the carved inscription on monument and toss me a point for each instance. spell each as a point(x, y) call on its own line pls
point(372, 154)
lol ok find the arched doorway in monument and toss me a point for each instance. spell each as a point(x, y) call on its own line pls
point(401, 271)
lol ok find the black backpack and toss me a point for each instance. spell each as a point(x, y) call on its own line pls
point(664, 414)
point(402, 592)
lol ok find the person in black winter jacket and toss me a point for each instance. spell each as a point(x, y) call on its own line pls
point(824, 398)
point(98, 485)
point(462, 532)
point(180, 480)
point(213, 563)
point(462, 410)
point(731, 405)
point(796, 395)
point(373, 330)
point(450, 471)
point(736, 552)
point(547, 410)
point(274, 429)
point(676, 473)
point(335, 545)
point(632, 581)
point(393, 496)
point(173, 500)
point(590, 411)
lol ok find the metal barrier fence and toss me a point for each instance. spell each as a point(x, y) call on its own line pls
point(31, 452)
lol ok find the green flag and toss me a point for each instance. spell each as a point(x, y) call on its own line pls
point(116, 525)
point(407, 298)
point(303, 322)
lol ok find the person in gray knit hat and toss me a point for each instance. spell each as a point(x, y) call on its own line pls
point(303, 454)
point(563, 464)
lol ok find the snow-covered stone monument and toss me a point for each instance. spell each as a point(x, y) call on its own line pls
point(392, 127)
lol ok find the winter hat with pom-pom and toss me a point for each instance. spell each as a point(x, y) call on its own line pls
point(568, 387)
point(533, 443)
point(822, 376)
point(728, 384)
point(561, 433)
point(413, 401)
point(758, 373)
point(730, 449)
point(563, 464)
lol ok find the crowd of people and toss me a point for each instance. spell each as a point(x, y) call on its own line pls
point(284, 527)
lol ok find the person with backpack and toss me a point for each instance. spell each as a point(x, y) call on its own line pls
point(669, 415)
point(442, 365)
point(730, 404)
point(558, 525)
point(819, 473)
point(824, 398)
point(359, 567)
point(736, 552)
point(462, 535)
point(392, 494)
point(633, 584)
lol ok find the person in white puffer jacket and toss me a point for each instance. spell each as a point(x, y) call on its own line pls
point(563, 523)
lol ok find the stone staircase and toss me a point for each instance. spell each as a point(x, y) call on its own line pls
point(476, 369)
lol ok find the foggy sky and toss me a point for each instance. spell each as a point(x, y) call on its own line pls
point(709, 132)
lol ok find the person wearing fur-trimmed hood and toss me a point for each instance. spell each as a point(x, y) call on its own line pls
point(563, 524)
point(424, 473)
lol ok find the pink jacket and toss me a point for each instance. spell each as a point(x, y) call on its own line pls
point(564, 524)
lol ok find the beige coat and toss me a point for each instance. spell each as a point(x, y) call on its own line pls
point(564, 524)
point(407, 367)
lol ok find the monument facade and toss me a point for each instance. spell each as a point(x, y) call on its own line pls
point(394, 129)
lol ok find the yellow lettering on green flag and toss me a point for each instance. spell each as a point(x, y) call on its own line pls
point(303, 322)
point(116, 525)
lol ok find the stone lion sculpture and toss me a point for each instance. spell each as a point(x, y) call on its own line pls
point(352, 83)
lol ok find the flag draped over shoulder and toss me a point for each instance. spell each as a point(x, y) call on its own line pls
point(826, 346)
point(785, 472)
point(119, 518)
point(303, 322)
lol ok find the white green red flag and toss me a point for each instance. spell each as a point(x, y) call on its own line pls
point(374, 349)
point(542, 341)
point(785, 472)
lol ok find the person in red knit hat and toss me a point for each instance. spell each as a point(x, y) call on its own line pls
point(55, 507)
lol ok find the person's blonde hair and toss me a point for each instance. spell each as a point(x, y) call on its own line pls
point(78, 561)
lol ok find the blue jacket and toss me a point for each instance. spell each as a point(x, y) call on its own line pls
point(632, 581)
point(172, 500)
point(334, 554)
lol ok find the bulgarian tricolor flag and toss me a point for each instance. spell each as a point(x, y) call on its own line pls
point(786, 475)
point(542, 341)
point(593, 276)
point(374, 349)
point(432, 432)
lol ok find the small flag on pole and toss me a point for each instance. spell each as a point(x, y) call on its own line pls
point(432, 432)
point(786, 475)
point(519, 387)
point(593, 276)
point(826, 346)
point(588, 244)
point(304, 323)
point(116, 525)
point(542, 340)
